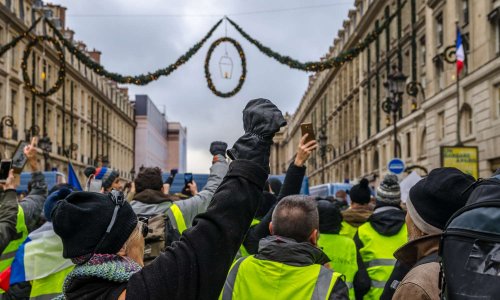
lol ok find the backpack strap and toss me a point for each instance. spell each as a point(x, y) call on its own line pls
point(433, 257)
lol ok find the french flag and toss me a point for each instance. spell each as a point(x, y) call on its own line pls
point(460, 53)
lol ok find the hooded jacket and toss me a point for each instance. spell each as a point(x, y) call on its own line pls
point(387, 220)
point(150, 202)
point(33, 203)
point(356, 217)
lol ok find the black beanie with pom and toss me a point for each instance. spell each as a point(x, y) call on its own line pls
point(360, 193)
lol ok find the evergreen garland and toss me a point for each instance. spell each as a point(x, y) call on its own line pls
point(16, 40)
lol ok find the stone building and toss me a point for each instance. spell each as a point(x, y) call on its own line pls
point(89, 118)
point(345, 103)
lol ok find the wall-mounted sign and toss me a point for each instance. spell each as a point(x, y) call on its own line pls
point(464, 158)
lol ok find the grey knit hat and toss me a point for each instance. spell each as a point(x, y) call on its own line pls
point(389, 190)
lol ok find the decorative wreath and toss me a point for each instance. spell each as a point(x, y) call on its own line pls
point(62, 65)
point(208, 76)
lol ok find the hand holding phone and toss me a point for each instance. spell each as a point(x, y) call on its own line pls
point(308, 129)
point(188, 178)
point(19, 159)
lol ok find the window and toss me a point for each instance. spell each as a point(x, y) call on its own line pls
point(408, 144)
point(440, 125)
point(497, 105)
point(466, 120)
point(439, 30)
point(21, 9)
point(465, 12)
point(439, 74)
point(423, 53)
point(422, 146)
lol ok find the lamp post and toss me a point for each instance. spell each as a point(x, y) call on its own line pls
point(324, 148)
point(132, 174)
point(395, 87)
point(46, 145)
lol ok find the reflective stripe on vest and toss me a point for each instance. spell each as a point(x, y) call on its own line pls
point(377, 254)
point(50, 286)
point(342, 253)
point(243, 251)
point(308, 282)
point(10, 251)
point(175, 215)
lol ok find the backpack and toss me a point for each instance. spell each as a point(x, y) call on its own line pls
point(470, 246)
point(161, 234)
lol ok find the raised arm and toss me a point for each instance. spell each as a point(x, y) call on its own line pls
point(8, 212)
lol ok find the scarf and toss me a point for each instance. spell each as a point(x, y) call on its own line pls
point(110, 267)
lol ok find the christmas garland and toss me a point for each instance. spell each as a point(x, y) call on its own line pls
point(208, 76)
point(319, 66)
point(127, 79)
point(16, 40)
point(62, 66)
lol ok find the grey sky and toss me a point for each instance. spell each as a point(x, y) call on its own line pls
point(140, 36)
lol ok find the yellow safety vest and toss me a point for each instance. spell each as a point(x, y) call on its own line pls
point(348, 230)
point(342, 253)
point(175, 214)
point(243, 251)
point(377, 254)
point(49, 287)
point(7, 256)
point(256, 279)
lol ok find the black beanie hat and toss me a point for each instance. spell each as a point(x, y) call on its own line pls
point(434, 199)
point(275, 185)
point(360, 193)
point(81, 221)
point(330, 217)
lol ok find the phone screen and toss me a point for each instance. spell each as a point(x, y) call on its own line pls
point(188, 178)
point(5, 167)
point(19, 159)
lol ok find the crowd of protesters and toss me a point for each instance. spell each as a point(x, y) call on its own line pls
point(241, 237)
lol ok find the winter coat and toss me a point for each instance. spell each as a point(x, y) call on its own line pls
point(356, 217)
point(33, 203)
point(8, 217)
point(422, 282)
point(196, 266)
point(150, 202)
point(387, 221)
point(291, 186)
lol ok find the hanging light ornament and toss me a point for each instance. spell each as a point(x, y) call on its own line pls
point(226, 66)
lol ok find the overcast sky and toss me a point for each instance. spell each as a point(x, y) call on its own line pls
point(140, 36)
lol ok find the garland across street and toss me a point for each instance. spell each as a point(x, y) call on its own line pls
point(143, 79)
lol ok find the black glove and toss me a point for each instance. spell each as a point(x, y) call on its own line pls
point(261, 120)
point(218, 148)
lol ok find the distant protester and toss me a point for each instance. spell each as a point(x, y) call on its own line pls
point(360, 210)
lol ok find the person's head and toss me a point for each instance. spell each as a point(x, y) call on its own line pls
point(296, 217)
point(330, 218)
point(434, 199)
point(109, 177)
point(82, 221)
point(389, 191)
point(341, 195)
point(273, 185)
point(361, 193)
point(149, 179)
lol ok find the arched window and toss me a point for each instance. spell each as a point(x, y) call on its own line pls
point(466, 120)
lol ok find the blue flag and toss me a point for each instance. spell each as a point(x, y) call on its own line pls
point(72, 178)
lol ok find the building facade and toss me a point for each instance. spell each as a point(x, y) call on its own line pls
point(177, 147)
point(89, 119)
point(345, 103)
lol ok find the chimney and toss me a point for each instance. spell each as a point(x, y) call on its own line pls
point(58, 12)
point(69, 34)
point(81, 46)
point(95, 55)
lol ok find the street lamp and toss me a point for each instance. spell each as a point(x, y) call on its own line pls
point(395, 87)
point(324, 148)
point(132, 173)
point(46, 145)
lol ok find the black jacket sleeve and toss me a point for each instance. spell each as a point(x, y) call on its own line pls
point(291, 186)
point(397, 275)
point(8, 218)
point(196, 266)
point(362, 281)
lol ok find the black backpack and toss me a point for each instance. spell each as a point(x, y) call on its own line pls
point(470, 246)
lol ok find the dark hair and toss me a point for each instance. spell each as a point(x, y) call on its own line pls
point(275, 185)
point(89, 171)
point(295, 217)
point(330, 218)
point(59, 186)
point(149, 178)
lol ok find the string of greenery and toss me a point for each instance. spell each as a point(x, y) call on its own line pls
point(16, 40)
point(142, 79)
point(319, 66)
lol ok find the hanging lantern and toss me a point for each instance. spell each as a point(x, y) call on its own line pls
point(44, 75)
point(226, 66)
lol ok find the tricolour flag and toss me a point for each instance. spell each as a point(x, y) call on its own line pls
point(460, 53)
